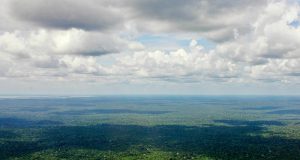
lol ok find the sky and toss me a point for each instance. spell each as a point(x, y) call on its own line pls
point(116, 47)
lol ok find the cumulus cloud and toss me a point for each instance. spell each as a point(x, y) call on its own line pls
point(54, 53)
point(213, 19)
point(254, 40)
point(271, 36)
point(270, 49)
point(181, 63)
point(66, 14)
point(73, 41)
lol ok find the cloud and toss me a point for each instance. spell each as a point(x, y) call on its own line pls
point(178, 64)
point(213, 19)
point(254, 40)
point(54, 53)
point(270, 37)
point(24, 44)
point(136, 46)
point(66, 14)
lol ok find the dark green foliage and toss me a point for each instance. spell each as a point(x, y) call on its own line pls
point(220, 142)
point(249, 123)
point(16, 122)
point(149, 128)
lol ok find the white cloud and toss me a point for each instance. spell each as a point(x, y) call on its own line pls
point(178, 64)
point(72, 41)
point(271, 48)
point(255, 40)
point(136, 46)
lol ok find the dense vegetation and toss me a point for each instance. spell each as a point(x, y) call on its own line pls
point(150, 128)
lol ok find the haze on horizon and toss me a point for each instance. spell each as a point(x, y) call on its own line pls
point(150, 47)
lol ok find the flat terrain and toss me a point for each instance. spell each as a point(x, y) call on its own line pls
point(150, 127)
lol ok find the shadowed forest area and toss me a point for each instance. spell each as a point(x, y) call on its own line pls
point(148, 128)
point(239, 140)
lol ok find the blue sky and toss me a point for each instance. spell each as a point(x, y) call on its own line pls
point(169, 41)
point(149, 47)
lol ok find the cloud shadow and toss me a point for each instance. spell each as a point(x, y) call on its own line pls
point(287, 111)
point(261, 108)
point(240, 140)
point(21, 123)
point(108, 111)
